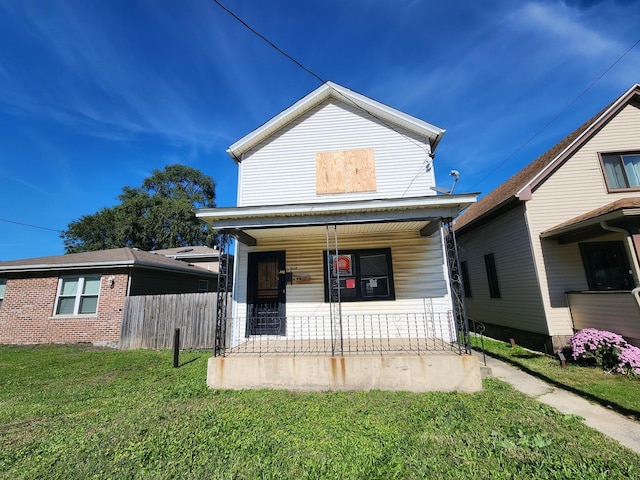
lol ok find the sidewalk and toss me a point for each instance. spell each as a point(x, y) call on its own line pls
point(612, 424)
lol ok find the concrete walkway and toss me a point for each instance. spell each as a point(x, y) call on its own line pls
point(612, 424)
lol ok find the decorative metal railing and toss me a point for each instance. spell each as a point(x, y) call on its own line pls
point(373, 334)
point(455, 283)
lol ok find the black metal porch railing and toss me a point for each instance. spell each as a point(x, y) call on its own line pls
point(372, 334)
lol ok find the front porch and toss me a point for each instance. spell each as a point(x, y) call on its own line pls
point(414, 352)
point(344, 296)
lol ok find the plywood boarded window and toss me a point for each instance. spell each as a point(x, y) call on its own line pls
point(345, 171)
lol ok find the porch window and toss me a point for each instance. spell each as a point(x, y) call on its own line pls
point(606, 266)
point(358, 275)
point(3, 287)
point(78, 295)
point(492, 275)
point(621, 170)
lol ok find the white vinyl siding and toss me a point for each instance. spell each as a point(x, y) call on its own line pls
point(418, 273)
point(520, 302)
point(577, 187)
point(282, 169)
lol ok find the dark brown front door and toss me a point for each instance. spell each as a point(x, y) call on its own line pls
point(266, 294)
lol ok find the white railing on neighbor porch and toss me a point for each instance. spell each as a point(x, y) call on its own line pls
point(615, 311)
point(349, 335)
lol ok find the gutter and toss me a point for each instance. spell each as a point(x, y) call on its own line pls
point(95, 266)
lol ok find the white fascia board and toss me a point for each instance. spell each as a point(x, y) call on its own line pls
point(325, 91)
point(44, 267)
point(233, 216)
point(526, 189)
point(47, 267)
point(238, 148)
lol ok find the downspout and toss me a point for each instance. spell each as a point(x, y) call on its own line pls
point(631, 250)
point(129, 281)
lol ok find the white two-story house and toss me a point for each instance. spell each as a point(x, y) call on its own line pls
point(340, 252)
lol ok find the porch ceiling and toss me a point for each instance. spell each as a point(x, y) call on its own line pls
point(249, 224)
point(320, 230)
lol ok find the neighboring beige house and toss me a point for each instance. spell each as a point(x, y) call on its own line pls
point(341, 275)
point(555, 248)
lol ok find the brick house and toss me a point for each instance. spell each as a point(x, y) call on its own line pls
point(80, 297)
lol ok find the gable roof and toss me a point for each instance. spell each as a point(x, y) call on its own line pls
point(100, 260)
point(520, 185)
point(331, 90)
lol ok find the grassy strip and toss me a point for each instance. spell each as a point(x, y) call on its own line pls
point(615, 391)
point(69, 412)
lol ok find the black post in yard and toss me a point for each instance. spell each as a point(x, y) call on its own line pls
point(176, 348)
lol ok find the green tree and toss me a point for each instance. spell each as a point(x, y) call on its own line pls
point(158, 214)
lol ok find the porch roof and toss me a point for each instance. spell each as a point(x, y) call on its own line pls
point(414, 211)
point(623, 213)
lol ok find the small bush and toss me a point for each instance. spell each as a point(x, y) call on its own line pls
point(608, 350)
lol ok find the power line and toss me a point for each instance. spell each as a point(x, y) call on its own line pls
point(32, 226)
point(278, 49)
point(346, 99)
point(555, 117)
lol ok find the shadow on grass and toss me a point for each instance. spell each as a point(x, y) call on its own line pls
point(628, 412)
point(188, 362)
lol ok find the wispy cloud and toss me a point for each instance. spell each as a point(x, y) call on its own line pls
point(557, 23)
point(101, 86)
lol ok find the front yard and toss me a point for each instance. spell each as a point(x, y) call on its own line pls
point(614, 391)
point(74, 412)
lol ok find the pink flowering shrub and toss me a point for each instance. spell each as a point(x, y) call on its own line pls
point(608, 350)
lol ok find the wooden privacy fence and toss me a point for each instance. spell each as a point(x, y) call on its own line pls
point(149, 321)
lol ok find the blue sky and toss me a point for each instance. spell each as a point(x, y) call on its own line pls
point(95, 94)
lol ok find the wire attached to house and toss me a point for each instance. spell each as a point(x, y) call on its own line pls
point(318, 77)
point(269, 42)
point(555, 117)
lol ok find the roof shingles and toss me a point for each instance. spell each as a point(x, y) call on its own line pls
point(507, 191)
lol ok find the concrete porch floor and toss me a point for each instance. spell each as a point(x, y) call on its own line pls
point(275, 345)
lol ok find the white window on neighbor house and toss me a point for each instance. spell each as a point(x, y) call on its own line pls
point(78, 295)
point(621, 170)
point(3, 287)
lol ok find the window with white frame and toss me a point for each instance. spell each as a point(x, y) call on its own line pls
point(3, 287)
point(621, 170)
point(78, 295)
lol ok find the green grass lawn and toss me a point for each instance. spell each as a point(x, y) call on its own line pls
point(615, 391)
point(73, 412)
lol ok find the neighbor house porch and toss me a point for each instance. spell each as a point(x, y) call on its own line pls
point(607, 241)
